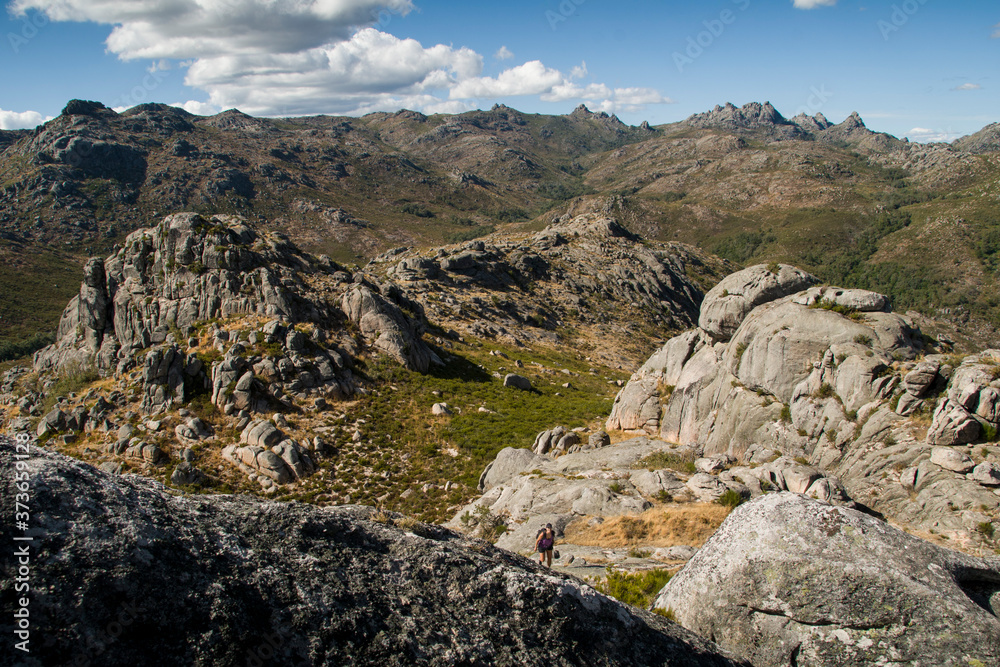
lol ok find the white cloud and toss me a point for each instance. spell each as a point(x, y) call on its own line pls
point(551, 85)
point(197, 108)
point(301, 57)
point(21, 120)
point(813, 4)
point(366, 72)
point(968, 86)
point(161, 65)
point(203, 28)
point(926, 135)
point(996, 31)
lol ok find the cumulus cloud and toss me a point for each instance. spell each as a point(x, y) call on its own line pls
point(551, 85)
point(926, 135)
point(198, 108)
point(301, 57)
point(968, 86)
point(20, 120)
point(370, 71)
point(203, 28)
point(813, 4)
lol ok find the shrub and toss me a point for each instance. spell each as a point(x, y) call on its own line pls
point(418, 210)
point(671, 460)
point(786, 414)
point(666, 613)
point(862, 339)
point(731, 498)
point(637, 589)
point(825, 391)
point(615, 487)
point(986, 528)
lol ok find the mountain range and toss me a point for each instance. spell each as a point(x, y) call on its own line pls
point(851, 205)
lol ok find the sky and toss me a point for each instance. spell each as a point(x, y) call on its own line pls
point(923, 69)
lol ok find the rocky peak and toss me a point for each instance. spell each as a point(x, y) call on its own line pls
point(752, 116)
point(87, 108)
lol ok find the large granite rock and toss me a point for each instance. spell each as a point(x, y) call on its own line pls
point(384, 324)
point(790, 581)
point(185, 270)
point(144, 577)
point(731, 300)
point(831, 379)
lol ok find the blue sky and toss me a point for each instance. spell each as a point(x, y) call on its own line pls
point(925, 69)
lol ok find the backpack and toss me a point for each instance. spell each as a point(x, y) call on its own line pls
point(545, 543)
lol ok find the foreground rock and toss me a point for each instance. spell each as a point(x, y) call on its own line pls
point(254, 582)
point(791, 581)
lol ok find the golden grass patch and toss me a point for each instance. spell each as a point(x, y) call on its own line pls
point(661, 526)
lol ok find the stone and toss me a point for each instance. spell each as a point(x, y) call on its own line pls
point(706, 488)
point(952, 459)
point(921, 377)
point(653, 483)
point(986, 473)
point(186, 474)
point(383, 323)
point(261, 433)
point(731, 300)
point(598, 439)
point(676, 552)
point(715, 464)
point(508, 464)
point(788, 580)
point(440, 409)
point(517, 382)
point(952, 425)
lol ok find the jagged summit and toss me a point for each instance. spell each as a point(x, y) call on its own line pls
point(987, 140)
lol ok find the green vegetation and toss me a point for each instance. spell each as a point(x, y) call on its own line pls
point(424, 449)
point(73, 378)
point(730, 498)
point(469, 234)
point(682, 462)
point(638, 589)
point(742, 246)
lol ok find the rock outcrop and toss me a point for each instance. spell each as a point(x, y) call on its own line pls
point(831, 376)
point(144, 572)
point(587, 270)
point(790, 581)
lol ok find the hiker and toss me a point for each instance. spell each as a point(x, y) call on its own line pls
point(544, 541)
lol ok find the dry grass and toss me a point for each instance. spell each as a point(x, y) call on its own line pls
point(662, 526)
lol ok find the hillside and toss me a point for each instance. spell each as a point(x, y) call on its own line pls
point(849, 204)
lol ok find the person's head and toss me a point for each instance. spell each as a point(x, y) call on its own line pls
point(548, 526)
